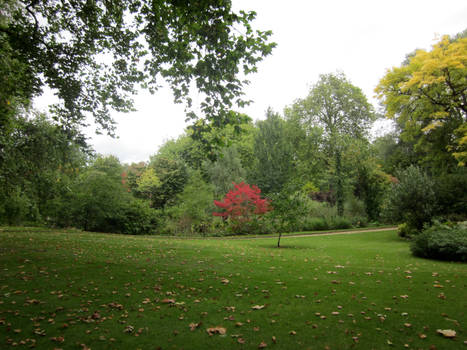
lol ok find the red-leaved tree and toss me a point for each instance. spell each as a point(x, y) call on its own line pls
point(242, 203)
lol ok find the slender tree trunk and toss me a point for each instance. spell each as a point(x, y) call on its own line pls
point(279, 240)
point(340, 185)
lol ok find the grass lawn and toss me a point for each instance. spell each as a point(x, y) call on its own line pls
point(74, 290)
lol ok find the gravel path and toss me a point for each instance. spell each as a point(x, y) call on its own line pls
point(316, 234)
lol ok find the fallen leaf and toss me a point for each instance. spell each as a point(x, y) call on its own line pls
point(216, 330)
point(168, 301)
point(448, 333)
point(58, 339)
point(193, 326)
point(258, 307)
point(129, 329)
point(241, 341)
point(262, 345)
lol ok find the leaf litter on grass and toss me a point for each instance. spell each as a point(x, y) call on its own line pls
point(158, 281)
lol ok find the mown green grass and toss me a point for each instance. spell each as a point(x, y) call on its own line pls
point(74, 290)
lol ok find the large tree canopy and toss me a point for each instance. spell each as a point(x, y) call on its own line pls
point(343, 112)
point(427, 97)
point(94, 54)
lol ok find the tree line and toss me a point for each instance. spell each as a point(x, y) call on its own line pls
point(315, 164)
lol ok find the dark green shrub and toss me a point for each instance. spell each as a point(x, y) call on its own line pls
point(137, 217)
point(442, 242)
point(451, 195)
point(315, 224)
point(340, 222)
point(412, 200)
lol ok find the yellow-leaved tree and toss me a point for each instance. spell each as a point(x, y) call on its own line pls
point(427, 97)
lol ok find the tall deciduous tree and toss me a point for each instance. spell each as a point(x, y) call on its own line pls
point(342, 111)
point(427, 97)
point(94, 54)
point(273, 152)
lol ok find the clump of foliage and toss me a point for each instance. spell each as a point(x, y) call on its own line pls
point(97, 199)
point(192, 212)
point(443, 242)
point(412, 200)
point(405, 231)
point(242, 206)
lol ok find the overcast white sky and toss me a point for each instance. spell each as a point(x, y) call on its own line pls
point(361, 38)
